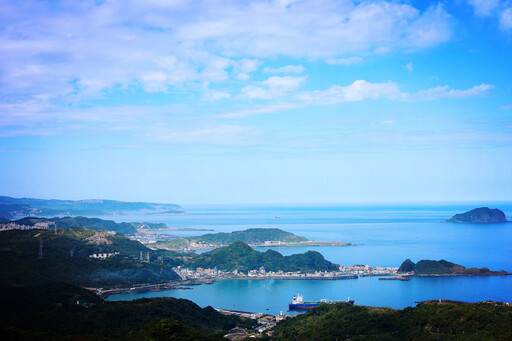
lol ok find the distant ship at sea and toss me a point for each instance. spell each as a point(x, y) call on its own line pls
point(299, 304)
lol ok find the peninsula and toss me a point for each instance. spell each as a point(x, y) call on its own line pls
point(12, 208)
point(482, 215)
point(443, 268)
point(253, 237)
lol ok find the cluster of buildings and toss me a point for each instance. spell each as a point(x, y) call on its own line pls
point(101, 237)
point(265, 324)
point(261, 273)
point(103, 255)
point(36, 226)
point(366, 270)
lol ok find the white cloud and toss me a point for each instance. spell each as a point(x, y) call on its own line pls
point(445, 92)
point(495, 9)
point(214, 95)
point(84, 48)
point(360, 90)
point(506, 19)
point(344, 61)
point(357, 91)
point(273, 87)
point(244, 67)
point(288, 69)
point(409, 66)
point(484, 8)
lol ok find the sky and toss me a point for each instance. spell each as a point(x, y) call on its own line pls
point(256, 102)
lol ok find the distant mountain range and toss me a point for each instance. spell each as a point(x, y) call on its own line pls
point(11, 208)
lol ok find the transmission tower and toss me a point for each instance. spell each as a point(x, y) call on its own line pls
point(40, 254)
point(147, 258)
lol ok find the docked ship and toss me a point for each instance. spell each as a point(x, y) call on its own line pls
point(299, 304)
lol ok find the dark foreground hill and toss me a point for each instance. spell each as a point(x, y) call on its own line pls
point(482, 215)
point(427, 321)
point(58, 311)
point(240, 256)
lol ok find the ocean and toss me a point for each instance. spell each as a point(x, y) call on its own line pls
point(384, 236)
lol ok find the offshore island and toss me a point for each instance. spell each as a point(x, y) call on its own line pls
point(482, 215)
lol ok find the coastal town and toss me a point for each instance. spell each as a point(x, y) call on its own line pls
point(344, 272)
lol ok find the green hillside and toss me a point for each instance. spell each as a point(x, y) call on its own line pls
point(66, 258)
point(443, 267)
point(249, 236)
point(90, 223)
point(427, 321)
point(240, 256)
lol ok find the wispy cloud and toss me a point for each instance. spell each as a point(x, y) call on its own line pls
point(361, 90)
point(497, 9)
point(283, 70)
point(273, 87)
point(344, 61)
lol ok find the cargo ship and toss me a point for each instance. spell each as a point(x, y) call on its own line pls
point(299, 304)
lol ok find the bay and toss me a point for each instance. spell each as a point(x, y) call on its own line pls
point(384, 235)
point(274, 295)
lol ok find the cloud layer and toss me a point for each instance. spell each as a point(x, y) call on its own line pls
point(81, 49)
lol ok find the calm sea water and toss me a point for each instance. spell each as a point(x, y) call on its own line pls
point(385, 236)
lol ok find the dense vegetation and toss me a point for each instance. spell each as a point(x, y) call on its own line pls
point(11, 207)
point(66, 258)
point(480, 215)
point(443, 267)
point(249, 236)
point(427, 321)
point(242, 257)
point(58, 311)
point(90, 223)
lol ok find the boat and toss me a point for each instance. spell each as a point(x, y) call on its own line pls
point(299, 304)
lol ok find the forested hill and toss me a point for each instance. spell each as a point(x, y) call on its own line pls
point(51, 312)
point(90, 223)
point(249, 236)
point(427, 321)
point(443, 267)
point(65, 257)
point(12, 207)
point(239, 256)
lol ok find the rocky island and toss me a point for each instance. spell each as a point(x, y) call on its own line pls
point(443, 267)
point(482, 215)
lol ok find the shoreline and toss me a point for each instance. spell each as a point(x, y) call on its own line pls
point(189, 283)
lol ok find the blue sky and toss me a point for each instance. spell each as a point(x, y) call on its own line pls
point(198, 102)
